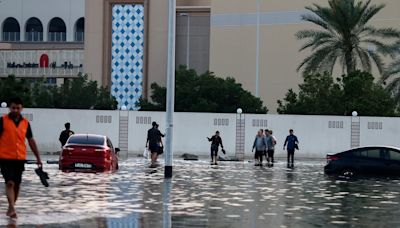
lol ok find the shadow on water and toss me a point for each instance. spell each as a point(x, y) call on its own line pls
point(233, 194)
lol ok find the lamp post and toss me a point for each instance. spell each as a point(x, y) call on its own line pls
point(239, 111)
point(170, 88)
point(239, 154)
point(355, 130)
point(258, 51)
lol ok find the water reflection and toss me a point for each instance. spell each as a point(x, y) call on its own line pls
point(230, 195)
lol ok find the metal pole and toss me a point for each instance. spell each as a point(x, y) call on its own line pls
point(170, 88)
point(188, 43)
point(258, 51)
point(167, 186)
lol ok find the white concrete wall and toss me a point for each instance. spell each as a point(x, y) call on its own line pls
point(47, 125)
point(191, 129)
point(68, 10)
point(313, 132)
point(380, 131)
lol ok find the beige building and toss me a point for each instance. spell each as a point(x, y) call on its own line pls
point(252, 41)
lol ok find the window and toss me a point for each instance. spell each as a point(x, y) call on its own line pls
point(109, 144)
point(394, 155)
point(86, 140)
point(11, 30)
point(33, 30)
point(80, 30)
point(193, 40)
point(368, 153)
point(57, 30)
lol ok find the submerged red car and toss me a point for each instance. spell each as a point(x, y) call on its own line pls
point(86, 152)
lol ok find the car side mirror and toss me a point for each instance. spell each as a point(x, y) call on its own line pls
point(117, 150)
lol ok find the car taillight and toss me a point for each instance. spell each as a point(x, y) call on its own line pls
point(332, 158)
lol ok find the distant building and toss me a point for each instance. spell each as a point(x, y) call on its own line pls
point(42, 38)
point(123, 43)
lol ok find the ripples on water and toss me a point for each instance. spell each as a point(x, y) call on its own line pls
point(230, 195)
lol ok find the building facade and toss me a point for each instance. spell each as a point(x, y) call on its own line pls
point(252, 41)
point(123, 43)
point(42, 38)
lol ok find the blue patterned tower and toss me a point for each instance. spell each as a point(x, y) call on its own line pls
point(127, 54)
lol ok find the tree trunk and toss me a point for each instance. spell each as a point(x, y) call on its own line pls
point(350, 63)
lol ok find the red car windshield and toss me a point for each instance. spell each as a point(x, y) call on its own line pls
point(86, 140)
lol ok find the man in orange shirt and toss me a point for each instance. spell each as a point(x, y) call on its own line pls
point(14, 129)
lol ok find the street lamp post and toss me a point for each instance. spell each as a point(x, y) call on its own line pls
point(355, 130)
point(239, 154)
point(170, 88)
point(258, 51)
point(239, 111)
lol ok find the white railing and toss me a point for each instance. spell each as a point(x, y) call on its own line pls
point(27, 63)
point(57, 36)
point(11, 36)
point(79, 36)
point(34, 36)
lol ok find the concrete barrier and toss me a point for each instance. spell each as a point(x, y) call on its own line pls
point(318, 135)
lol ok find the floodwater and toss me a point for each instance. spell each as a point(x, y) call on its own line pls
point(230, 195)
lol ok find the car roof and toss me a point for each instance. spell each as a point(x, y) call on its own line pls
point(89, 135)
point(375, 146)
point(366, 147)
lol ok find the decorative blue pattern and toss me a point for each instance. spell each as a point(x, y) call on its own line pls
point(127, 54)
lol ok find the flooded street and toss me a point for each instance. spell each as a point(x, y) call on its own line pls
point(230, 195)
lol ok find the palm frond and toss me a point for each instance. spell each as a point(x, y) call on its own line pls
point(311, 33)
point(378, 61)
point(381, 47)
point(313, 63)
point(316, 38)
point(394, 68)
point(394, 85)
point(385, 33)
point(364, 59)
point(315, 20)
point(369, 12)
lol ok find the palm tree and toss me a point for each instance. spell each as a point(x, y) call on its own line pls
point(344, 37)
point(391, 77)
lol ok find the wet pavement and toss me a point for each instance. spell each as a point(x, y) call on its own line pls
point(234, 194)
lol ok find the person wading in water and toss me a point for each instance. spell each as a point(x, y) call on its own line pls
point(216, 141)
point(14, 129)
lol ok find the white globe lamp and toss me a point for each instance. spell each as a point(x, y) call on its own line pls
point(239, 111)
point(354, 113)
point(3, 104)
point(124, 108)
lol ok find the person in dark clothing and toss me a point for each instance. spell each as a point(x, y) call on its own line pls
point(14, 130)
point(153, 142)
point(216, 141)
point(64, 136)
point(292, 144)
point(271, 147)
point(160, 142)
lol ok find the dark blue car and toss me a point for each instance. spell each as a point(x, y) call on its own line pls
point(374, 160)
